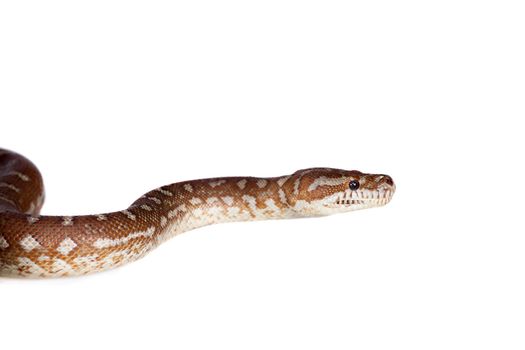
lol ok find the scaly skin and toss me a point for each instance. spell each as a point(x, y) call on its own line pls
point(54, 246)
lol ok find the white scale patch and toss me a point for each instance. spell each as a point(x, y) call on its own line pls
point(241, 184)
point(326, 181)
point(87, 263)
point(40, 200)
point(21, 176)
point(236, 214)
point(3, 243)
point(163, 221)
point(8, 201)
point(125, 255)
point(271, 210)
point(11, 187)
point(233, 211)
point(164, 192)
point(108, 242)
point(129, 214)
point(35, 205)
point(146, 207)
point(282, 196)
point(67, 221)
point(296, 186)
point(217, 183)
point(300, 205)
point(282, 180)
point(201, 218)
point(32, 268)
point(270, 204)
point(195, 201)
point(252, 203)
point(198, 212)
point(228, 200)
point(261, 183)
point(102, 217)
point(215, 212)
point(32, 219)
point(31, 209)
point(28, 243)
point(66, 246)
point(155, 199)
point(188, 187)
point(212, 200)
point(174, 212)
point(60, 266)
point(9, 270)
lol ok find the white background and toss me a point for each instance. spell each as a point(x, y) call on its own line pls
point(113, 98)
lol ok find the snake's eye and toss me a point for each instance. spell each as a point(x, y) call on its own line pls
point(353, 185)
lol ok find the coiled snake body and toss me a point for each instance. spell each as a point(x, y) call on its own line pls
point(53, 246)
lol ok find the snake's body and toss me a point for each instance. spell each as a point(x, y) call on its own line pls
point(50, 246)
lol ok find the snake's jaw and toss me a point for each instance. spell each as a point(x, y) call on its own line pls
point(361, 199)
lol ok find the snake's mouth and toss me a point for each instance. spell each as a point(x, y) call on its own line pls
point(362, 199)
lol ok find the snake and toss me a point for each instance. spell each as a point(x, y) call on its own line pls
point(41, 246)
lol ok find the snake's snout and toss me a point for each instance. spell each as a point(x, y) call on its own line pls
point(388, 180)
point(385, 187)
point(384, 183)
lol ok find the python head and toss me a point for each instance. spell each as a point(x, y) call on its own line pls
point(325, 191)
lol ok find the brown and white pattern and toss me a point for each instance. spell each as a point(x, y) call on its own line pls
point(51, 246)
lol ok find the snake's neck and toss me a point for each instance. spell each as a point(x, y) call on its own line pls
point(198, 203)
